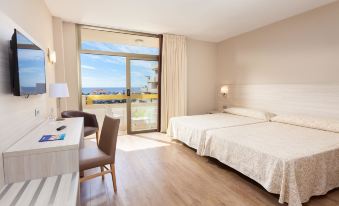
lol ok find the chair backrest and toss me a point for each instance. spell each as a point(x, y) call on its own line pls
point(72, 113)
point(90, 120)
point(109, 136)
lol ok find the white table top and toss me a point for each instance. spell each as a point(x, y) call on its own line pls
point(29, 144)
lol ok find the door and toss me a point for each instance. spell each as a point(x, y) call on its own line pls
point(143, 95)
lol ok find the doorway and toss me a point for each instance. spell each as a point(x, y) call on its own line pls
point(120, 77)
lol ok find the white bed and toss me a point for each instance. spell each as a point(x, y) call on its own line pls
point(191, 130)
point(292, 161)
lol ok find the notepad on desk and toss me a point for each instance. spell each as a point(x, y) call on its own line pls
point(52, 137)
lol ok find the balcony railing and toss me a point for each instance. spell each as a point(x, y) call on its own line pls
point(144, 109)
point(91, 99)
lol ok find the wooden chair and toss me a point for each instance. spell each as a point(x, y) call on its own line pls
point(90, 122)
point(93, 155)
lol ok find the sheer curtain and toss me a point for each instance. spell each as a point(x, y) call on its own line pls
point(173, 78)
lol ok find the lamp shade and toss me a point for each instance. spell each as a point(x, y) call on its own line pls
point(224, 89)
point(58, 90)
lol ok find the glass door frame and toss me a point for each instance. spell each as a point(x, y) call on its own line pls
point(129, 98)
point(129, 57)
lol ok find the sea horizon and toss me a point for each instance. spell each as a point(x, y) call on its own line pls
point(109, 90)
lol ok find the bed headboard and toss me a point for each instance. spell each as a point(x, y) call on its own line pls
point(320, 100)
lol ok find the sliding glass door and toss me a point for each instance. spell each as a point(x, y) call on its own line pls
point(119, 73)
point(143, 98)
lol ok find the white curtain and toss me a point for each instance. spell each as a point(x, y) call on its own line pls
point(173, 78)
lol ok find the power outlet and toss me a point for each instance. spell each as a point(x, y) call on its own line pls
point(36, 112)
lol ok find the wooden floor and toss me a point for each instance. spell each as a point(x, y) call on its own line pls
point(152, 170)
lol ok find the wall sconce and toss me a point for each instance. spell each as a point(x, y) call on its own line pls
point(224, 90)
point(51, 56)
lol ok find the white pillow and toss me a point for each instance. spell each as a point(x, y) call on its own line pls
point(249, 113)
point(310, 122)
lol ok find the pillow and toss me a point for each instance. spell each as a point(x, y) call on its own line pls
point(310, 122)
point(249, 113)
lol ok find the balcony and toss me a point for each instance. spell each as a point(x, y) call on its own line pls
point(144, 110)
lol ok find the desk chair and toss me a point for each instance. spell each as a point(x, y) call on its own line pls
point(93, 155)
point(90, 122)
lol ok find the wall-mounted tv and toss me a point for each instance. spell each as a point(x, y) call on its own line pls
point(27, 66)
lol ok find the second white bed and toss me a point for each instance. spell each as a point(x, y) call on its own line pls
point(292, 161)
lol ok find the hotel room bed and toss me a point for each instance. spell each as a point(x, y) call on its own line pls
point(191, 130)
point(292, 161)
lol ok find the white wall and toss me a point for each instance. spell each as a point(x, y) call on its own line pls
point(300, 49)
point(71, 65)
point(202, 84)
point(303, 50)
point(67, 69)
point(17, 113)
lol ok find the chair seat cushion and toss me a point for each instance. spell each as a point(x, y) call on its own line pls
point(91, 156)
point(89, 130)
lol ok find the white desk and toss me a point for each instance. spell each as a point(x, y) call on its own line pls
point(30, 159)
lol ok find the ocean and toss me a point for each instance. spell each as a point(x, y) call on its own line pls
point(109, 90)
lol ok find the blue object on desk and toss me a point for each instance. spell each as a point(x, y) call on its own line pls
point(52, 137)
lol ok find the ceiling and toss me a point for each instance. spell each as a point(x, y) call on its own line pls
point(212, 20)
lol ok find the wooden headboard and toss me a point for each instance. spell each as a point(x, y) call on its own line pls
point(319, 100)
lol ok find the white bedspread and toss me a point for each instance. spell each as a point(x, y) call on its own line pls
point(192, 129)
point(294, 162)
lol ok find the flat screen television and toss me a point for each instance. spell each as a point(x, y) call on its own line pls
point(27, 66)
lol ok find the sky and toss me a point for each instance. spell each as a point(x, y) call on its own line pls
point(101, 71)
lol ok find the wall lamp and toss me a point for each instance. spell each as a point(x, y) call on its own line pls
point(224, 90)
point(51, 56)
